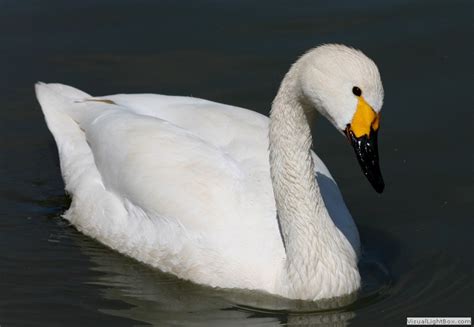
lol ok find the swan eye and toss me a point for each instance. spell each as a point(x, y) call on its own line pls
point(357, 91)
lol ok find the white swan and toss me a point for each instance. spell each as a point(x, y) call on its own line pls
point(221, 195)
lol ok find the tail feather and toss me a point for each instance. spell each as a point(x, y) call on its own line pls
point(70, 93)
point(55, 105)
point(93, 210)
point(57, 101)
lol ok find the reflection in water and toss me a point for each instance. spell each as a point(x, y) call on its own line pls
point(161, 298)
point(158, 298)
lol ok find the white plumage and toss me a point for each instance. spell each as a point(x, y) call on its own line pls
point(184, 185)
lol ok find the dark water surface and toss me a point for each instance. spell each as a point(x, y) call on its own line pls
point(417, 236)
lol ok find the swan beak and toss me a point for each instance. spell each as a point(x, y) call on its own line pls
point(362, 134)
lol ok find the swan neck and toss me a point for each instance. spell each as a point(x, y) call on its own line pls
point(291, 162)
point(307, 230)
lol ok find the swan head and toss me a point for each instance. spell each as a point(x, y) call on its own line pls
point(344, 85)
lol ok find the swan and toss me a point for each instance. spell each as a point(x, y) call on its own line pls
point(220, 195)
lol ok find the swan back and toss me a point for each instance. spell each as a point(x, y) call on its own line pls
point(166, 195)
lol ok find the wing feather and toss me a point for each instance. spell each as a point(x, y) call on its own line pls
point(162, 168)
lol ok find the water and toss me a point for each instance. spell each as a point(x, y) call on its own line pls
point(417, 236)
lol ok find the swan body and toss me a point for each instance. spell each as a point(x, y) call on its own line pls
point(212, 193)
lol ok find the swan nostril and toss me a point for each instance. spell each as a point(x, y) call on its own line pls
point(347, 133)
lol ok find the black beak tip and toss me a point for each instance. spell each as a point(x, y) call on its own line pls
point(367, 155)
point(379, 187)
point(375, 179)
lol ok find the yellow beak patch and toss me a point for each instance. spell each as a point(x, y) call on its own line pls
point(364, 119)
